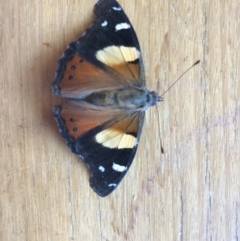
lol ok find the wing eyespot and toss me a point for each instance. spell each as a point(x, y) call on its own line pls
point(75, 129)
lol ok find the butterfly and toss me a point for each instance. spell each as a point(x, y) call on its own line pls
point(102, 75)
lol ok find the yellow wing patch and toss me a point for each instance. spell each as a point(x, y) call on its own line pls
point(114, 55)
point(121, 60)
point(119, 135)
point(114, 139)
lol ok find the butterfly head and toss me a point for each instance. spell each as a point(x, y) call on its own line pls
point(154, 98)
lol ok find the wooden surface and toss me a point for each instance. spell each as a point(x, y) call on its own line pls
point(192, 192)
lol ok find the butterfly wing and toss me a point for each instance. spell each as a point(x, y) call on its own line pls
point(106, 140)
point(107, 55)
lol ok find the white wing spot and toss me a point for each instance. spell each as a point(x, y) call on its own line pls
point(81, 157)
point(121, 26)
point(118, 168)
point(105, 23)
point(112, 185)
point(101, 168)
point(116, 8)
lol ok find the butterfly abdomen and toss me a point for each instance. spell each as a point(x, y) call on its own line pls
point(129, 98)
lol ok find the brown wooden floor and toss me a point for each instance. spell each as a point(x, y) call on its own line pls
point(192, 192)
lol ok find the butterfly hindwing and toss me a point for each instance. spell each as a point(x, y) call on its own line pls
point(107, 141)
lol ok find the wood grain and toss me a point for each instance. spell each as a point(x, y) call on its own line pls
point(192, 192)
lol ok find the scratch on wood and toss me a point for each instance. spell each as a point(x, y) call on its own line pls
point(70, 202)
point(182, 216)
point(237, 224)
point(206, 134)
point(100, 217)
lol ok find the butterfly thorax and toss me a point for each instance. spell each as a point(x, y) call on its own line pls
point(132, 98)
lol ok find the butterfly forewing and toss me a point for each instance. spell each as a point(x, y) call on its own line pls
point(110, 45)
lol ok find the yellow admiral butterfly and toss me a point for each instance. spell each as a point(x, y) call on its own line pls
point(102, 73)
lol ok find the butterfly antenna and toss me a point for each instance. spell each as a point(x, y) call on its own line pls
point(159, 132)
point(197, 62)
